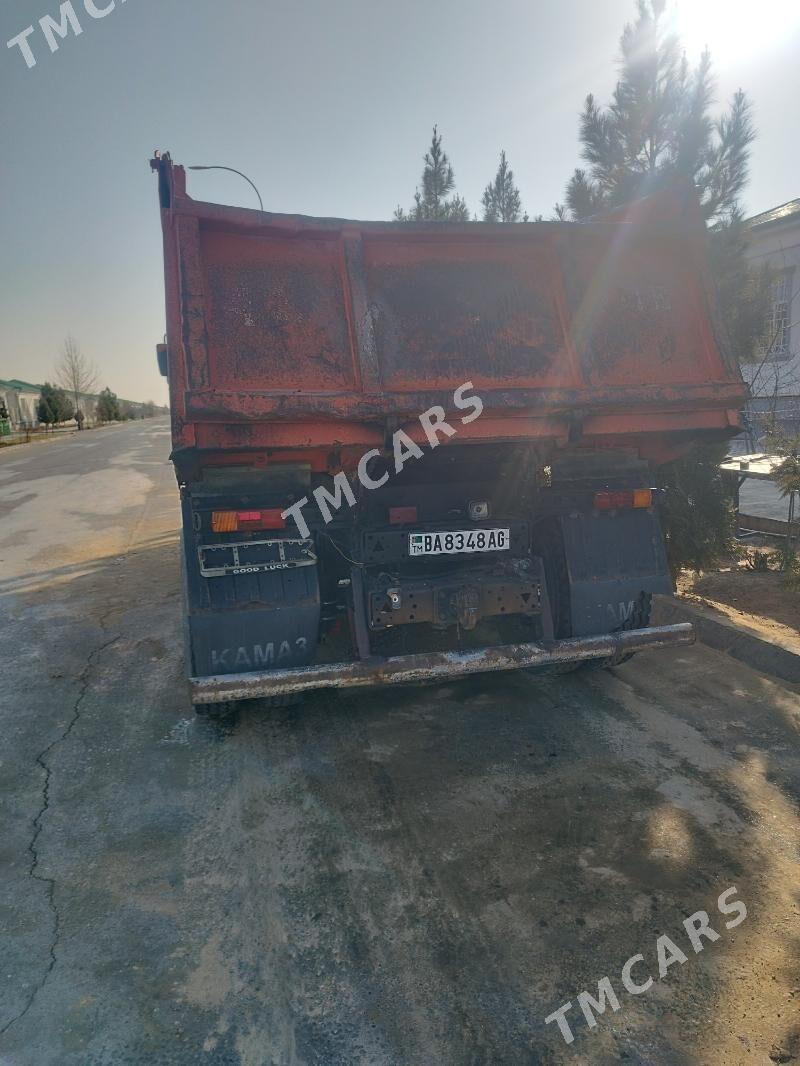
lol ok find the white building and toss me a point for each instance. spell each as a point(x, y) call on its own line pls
point(21, 400)
point(774, 376)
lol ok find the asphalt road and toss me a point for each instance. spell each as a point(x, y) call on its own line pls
point(764, 499)
point(410, 877)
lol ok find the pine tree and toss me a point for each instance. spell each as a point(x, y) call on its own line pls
point(431, 203)
point(108, 406)
point(54, 405)
point(658, 128)
point(697, 513)
point(501, 201)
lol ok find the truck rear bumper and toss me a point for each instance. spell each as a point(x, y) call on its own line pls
point(435, 666)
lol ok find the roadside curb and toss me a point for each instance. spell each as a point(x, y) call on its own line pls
point(724, 635)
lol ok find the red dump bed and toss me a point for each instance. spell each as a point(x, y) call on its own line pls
point(286, 331)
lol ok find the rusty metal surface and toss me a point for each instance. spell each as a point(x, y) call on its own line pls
point(445, 308)
point(435, 666)
point(447, 601)
point(316, 323)
point(276, 315)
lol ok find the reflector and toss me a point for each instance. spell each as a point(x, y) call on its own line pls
point(399, 515)
point(613, 501)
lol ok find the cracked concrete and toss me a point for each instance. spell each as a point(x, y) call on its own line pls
point(414, 877)
point(49, 882)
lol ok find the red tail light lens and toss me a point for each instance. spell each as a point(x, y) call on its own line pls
point(247, 521)
point(617, 501)
point(399, 515)
point(613, 501)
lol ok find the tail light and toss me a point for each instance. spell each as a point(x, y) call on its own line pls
point(247, 521)
point(399, 515)
point(618, 501)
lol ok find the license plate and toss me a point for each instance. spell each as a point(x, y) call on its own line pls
point(467, 540)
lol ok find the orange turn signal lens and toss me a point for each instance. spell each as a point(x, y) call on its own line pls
point(224, 521)
point(642, 497)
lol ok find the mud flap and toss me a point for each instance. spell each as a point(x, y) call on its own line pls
point(251, 622)
point(612, 559)
point(234, 642)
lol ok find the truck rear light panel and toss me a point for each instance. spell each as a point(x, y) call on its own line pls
point(254, 556)
point(247, 521)
point(620, 501)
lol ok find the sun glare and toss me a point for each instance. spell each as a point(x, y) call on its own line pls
point(735, 29)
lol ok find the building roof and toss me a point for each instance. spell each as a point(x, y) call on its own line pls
point(23, 386)
point(759, 465)
point(789, 210)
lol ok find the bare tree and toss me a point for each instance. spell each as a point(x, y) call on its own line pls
point(76, 374)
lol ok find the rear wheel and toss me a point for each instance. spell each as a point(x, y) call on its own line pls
point(218, 712)
point(227, 709)
point(639, 619)
point(291, 699)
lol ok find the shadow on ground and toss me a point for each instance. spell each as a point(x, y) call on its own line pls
point(410, 876)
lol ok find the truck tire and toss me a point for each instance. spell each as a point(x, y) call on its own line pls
point(227, 710)
point(291, 699)
point(640, 619)
point(217, 712)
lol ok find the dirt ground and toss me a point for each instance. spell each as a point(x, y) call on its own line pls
point(764, 601)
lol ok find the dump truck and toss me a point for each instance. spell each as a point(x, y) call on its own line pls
point(411, 451)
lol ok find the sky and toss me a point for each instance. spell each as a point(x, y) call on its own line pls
point(328, 108)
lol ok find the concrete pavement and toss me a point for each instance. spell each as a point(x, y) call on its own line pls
point(764, 499)
point(417, 876)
